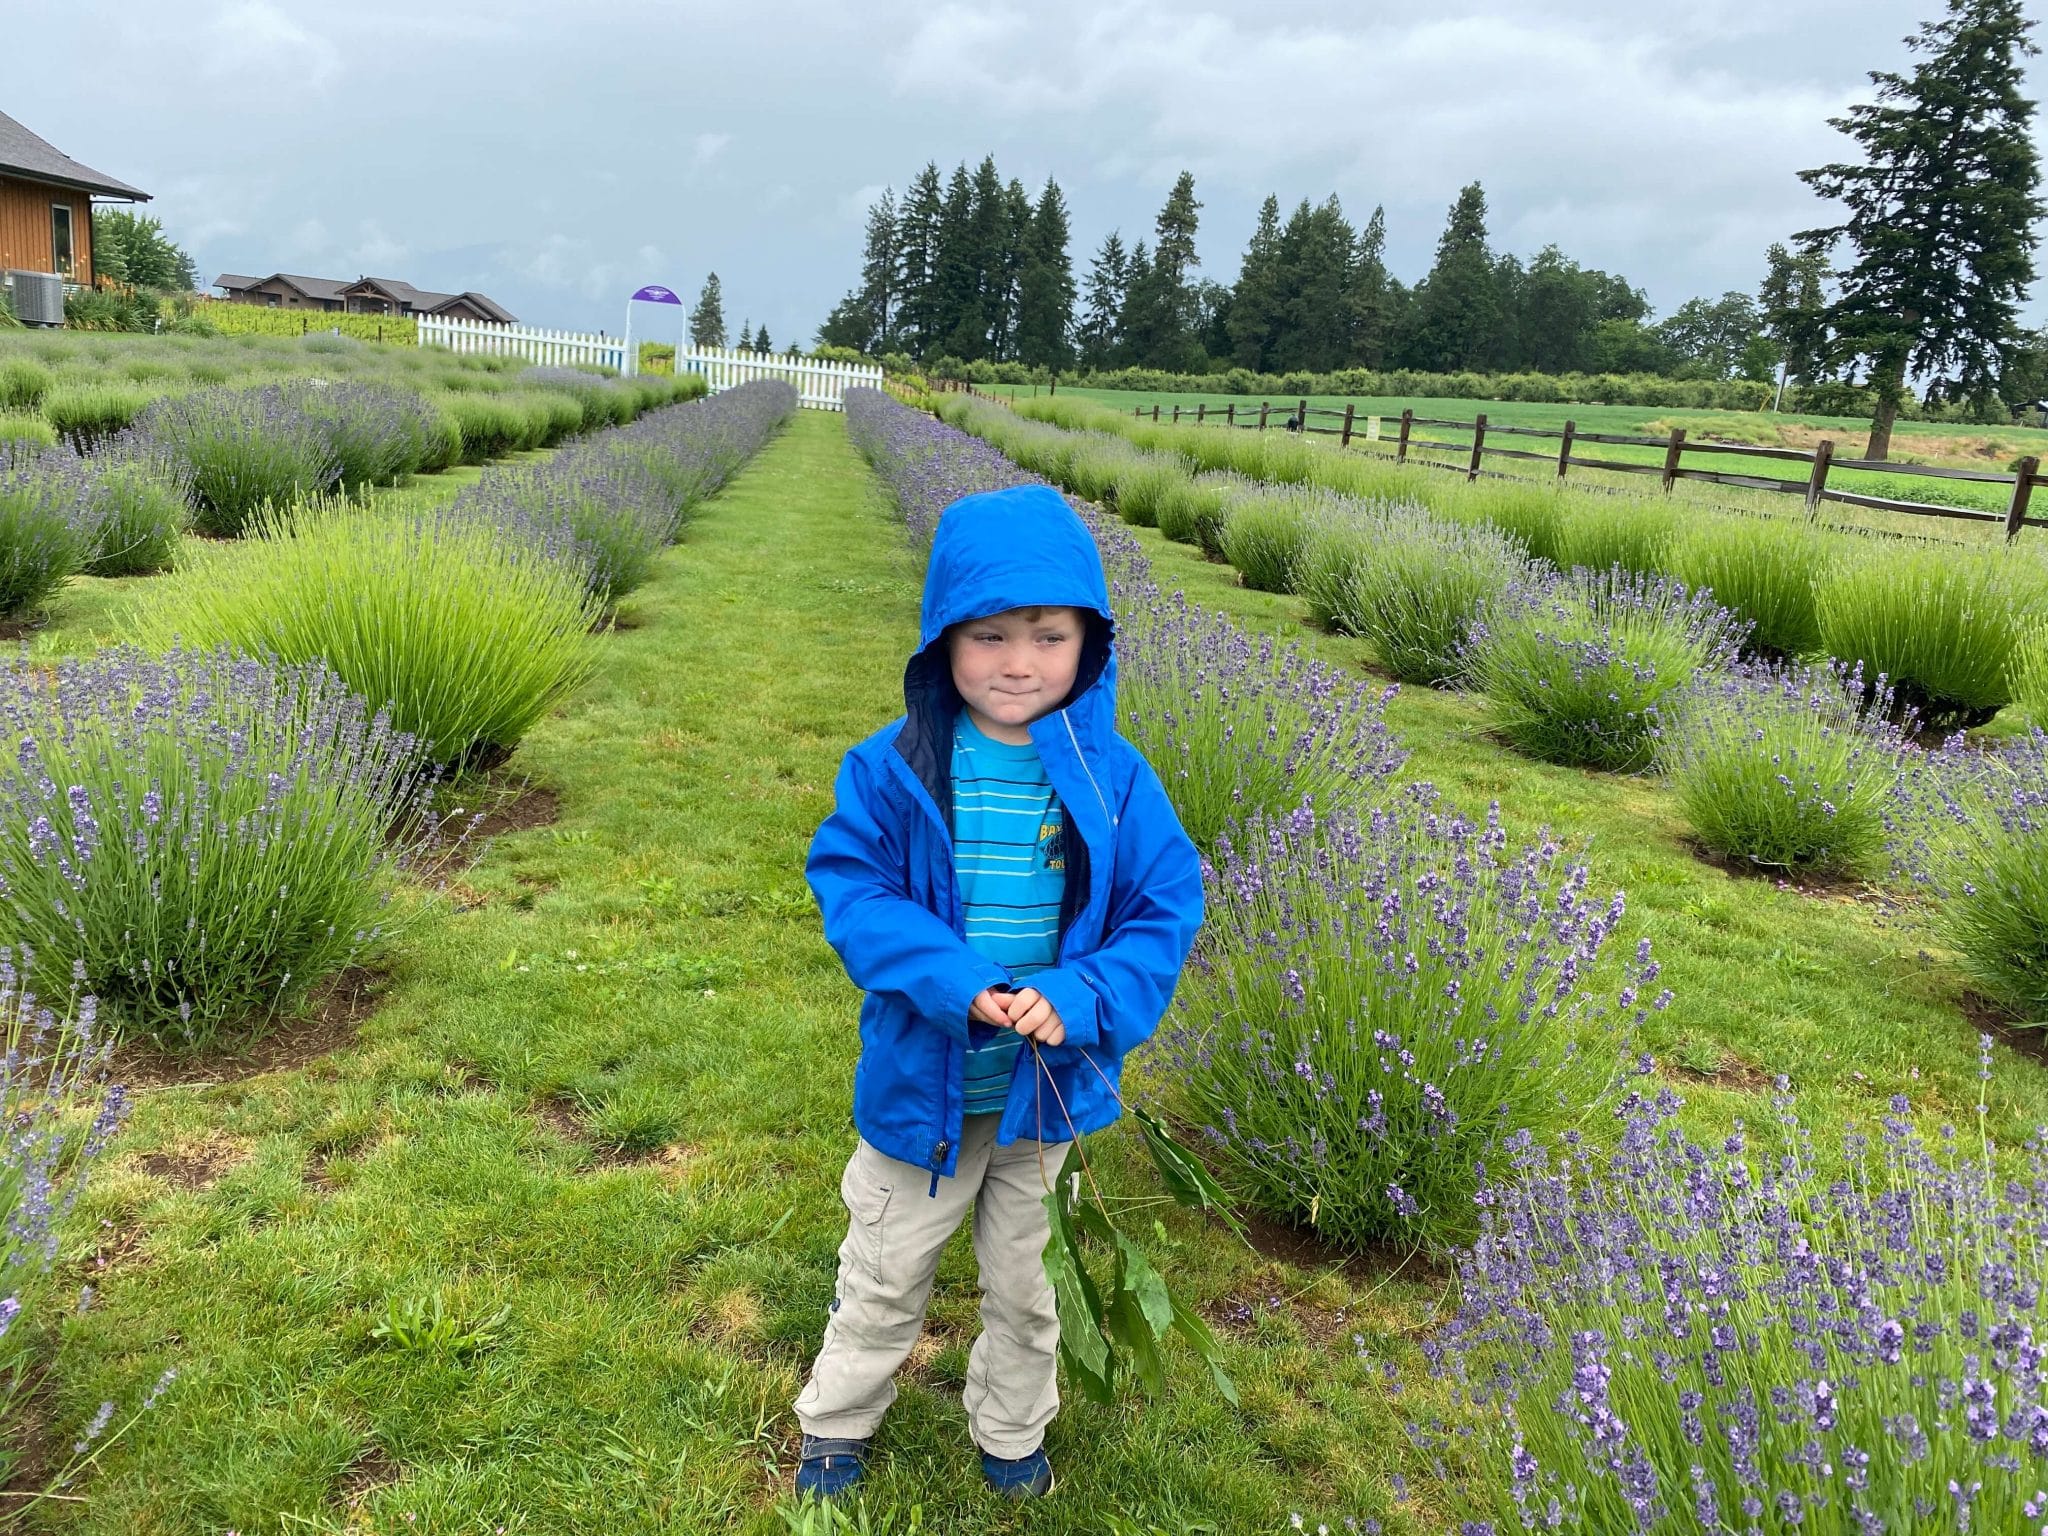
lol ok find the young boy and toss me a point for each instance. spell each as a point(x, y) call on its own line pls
point(1005, 878)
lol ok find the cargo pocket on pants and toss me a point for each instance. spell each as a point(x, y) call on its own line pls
point(866, 1188)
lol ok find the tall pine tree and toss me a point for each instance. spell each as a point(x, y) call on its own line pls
point(1316, 252)
point(917, 240)
point(707, 320)
point(1793, 303)
point(1045, 290)
point(1372, 296)
point(1458, 318)
point(1939, 216)
point(1160, 305)
point(956, 272)
point(1101, 333)
point(1256, 302)
point(880, 271)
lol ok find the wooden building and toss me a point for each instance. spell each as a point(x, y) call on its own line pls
point(364, 296)
point(46, 200)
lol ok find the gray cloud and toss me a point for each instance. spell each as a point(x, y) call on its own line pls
point(559, 157)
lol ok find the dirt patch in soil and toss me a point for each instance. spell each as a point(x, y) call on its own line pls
point(330, 1021)
point(529, 806)
point(372, 1469)
point(1305, 1249)
point(193, 1168)
point(566, 1119)
point(1819, 884)
point(32, 1434)
point(606, 622)
point(1733, 1072)
point(2005, 1026)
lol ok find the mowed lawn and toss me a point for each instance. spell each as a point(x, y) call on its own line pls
point(546, 1243)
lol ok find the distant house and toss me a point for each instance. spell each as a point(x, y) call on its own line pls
point(364, 296)
point(46, 200)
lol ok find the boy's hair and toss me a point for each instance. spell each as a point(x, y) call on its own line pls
point(1032, 614)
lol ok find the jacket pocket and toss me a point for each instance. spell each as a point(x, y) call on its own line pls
point(866, 1187)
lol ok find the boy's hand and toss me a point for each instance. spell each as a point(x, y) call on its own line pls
point(990, 1007)
point(1035, 1018)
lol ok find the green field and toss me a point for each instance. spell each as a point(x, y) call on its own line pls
point(1991, 449)
point(597, 1110)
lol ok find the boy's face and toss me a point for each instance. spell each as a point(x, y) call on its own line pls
point(1013, 667)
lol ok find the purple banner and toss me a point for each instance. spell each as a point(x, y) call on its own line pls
point(654, 293)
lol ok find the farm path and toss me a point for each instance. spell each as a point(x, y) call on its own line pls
point(549, 1244)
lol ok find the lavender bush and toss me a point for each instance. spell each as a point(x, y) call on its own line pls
point(378, 433)
point(1972, 829)
point(245, 449)
point(1578, 672)
point(1237, 727)
point(609, 510)
point(467, 629)
point(1682, 1338)
point(1194, 510)
point(48, 523)
point(1764, 570)
point(1408, 583)
point(195, 839)
point(141, 506)
point(1378, 1000)
point(1265, 531)
point(1784, 766)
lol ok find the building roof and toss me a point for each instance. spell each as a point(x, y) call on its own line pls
point(24, 154)
point(415, 300)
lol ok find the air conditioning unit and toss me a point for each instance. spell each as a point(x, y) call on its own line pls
point(38, 298)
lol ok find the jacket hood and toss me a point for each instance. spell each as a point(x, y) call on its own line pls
point(1023, 547)
point(1016, 548)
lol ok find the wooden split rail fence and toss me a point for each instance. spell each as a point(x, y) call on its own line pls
point(1349, 424)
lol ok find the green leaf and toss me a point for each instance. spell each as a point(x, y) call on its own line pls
point(1082, 1322)
point(1137, 1277)
point(1129, 1327)
point(1203, 1342)
point(1182, 1173)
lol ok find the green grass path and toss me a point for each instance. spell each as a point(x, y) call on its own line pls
point(600, 1117)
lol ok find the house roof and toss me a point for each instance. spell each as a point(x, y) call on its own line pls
point(26, 155)
point(419, 300)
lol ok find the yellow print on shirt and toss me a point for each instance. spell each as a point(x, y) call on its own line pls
point(1052, 842)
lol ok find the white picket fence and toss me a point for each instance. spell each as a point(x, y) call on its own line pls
point(820, 385)
point(535, 343)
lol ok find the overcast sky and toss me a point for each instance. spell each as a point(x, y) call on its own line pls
point(557, 156)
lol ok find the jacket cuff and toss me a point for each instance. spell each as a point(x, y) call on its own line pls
point(1073, 1000)
point(952, 1010)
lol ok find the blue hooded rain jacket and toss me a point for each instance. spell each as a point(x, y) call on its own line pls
point(882, 869)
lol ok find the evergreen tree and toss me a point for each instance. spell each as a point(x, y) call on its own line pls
point(1558, 313)
point(879, 266)
point(1940, 216)
point(1133, 332)
point(1045, 292)
point(917, 236)
point(1458, 317)
point(1505, 351)
point(850, 325)
point(1256, 301)
point(956, 297)
point(744, 342)
point(1007, 259)
point(1159, 305)
point(1102, 324)
point(707, 320)
point(1371, 299)
point(761, 342)
point(1316, 252)
point(1794, 309)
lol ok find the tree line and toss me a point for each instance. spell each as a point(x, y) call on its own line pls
point(1920, 278)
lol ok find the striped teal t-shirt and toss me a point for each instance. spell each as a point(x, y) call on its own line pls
point(1009, 850)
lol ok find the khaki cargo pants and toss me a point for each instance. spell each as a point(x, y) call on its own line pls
point(886, 1265)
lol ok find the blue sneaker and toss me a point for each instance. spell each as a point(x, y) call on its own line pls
point(1028, 1477)
point(826, 1469)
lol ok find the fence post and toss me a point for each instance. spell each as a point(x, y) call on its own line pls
point(1301, 416)
point(302, 325)
point(1264, 407)
point(2022, 493)
point(1817, 482)
point(1671, 457)
point(1155, 412)
point(1176, 411)
point(1345, 440)
point(1230, 414)
point(1201, 412)
point(1564, 451)
point(1407, 422)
